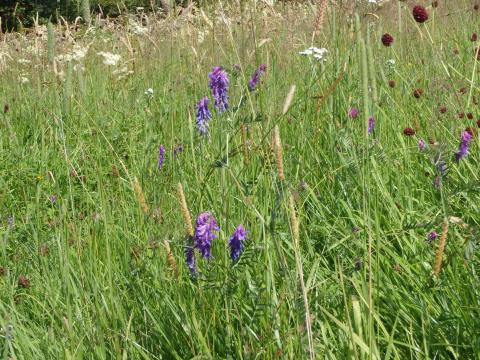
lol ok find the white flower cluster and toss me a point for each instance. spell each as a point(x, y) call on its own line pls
point(319, 54)
point(109, 58)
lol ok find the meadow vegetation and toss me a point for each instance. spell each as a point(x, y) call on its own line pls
point(160, 201)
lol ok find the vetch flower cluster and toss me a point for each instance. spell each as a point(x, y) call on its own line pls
point(206, 227)
point(463, 147)
point(203, 116)
point(219, 85)
point(236, 242)
point(252, 84)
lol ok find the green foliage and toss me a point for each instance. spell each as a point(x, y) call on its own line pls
point(101, 285)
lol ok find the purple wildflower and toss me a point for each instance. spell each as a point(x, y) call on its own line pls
point(371, 124)
point(219, 86)
point(356, 229)
point(204, 234)
point(437, 182)
point(432, 236)
point(422, 145)
point(252, 84)
point(190, 259)
point(236, 242)
point(203, 116)
point(463, 147)
point(53, 199)
point(353, 113)
point(161, 157)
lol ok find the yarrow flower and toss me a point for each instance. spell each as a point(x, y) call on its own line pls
point(319, 54)
point(161, 157)
point(236, 242)
point(371, 124)
point(387, 39)
point(204, 234)
point(353, 113)
point(252, 84)
point(420, 14)
point(219, 85)
point(109, 58)
point(203, 116)
point(463, 147)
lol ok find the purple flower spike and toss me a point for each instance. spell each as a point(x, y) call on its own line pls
point(371, 124)
point(463, 147)
point(422, 145)
point(53, 199)
point(203, 116)
point(190, 259)
point(353, 113)
point(204, 234)
point(219, 86)
point(252, 84)
point(236, 242)
point(432, 236)
point(161, 157)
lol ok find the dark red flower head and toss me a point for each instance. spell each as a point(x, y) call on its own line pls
point(408, 131)
point(474, 37)
point(417, 93)
point(387, 39)
point(478, 123)
point(434, 4)
point(391, 83)
point(443, 109)
point(476, 7)
point(23, 281)
point(477, 53)
point(463, 91)
point(470, 116)
point(461, 115)
point(420, 14)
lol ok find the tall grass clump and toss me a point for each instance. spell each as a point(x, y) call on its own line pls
point(219, 184)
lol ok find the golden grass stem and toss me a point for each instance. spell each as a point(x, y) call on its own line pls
point(277, 143)
point(170, 258)
point(186, 214)
point(140, 196)
point(441, 248)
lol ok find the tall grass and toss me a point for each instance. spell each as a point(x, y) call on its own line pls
point(336, 264)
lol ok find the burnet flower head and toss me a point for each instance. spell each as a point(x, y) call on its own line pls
point(203, 116)
point(236, 242)
point(206, 227)
point(219, 85)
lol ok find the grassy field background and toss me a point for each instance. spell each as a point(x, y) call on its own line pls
point(85, 213)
